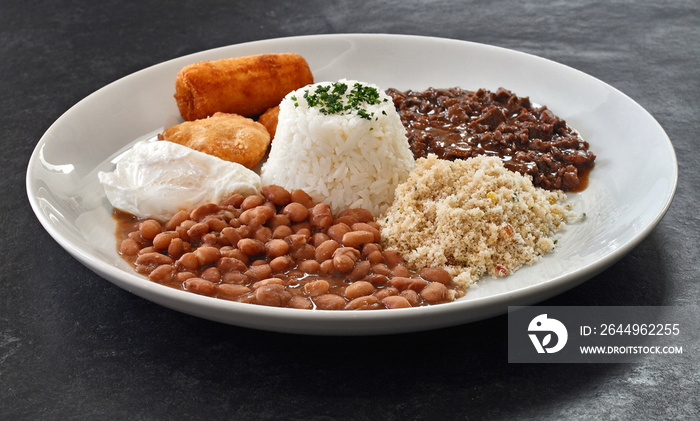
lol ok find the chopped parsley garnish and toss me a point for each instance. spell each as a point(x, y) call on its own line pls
point(335, 99)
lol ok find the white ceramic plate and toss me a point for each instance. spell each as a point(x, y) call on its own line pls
point(630, 188)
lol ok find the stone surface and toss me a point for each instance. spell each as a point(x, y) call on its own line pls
point(72, 345)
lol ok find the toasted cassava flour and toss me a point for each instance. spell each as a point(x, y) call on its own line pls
point(474, 217)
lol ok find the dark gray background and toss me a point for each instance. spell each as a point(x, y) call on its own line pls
point(72, 345)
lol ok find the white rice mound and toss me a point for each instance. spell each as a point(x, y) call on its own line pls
point(343, 160)
point(473, 217)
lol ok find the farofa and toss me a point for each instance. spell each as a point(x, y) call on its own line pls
point(474, 217)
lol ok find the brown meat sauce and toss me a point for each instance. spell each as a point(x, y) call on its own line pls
point(459, 124)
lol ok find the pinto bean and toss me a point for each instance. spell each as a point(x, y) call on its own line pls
point(235, 200)
point(392, 258)
point(183, 276)
point(251, 247)
point(326, 267)
point(278, 220)
point(360, 270)
point(361, 215)
point(296, 212)
point(162, 240)
point(318, 238)
point(215, 224)
point(136, 236)
point(347, 220)
point(129, 247)
point(321, 216)
point(251, 202)
point(234, 278)
point(262, 234)
point(381, 269)
point(377, 279)
point(375, 225)
point(209, 239)
point(403, 283)
point(162, 274)
point(368, 302)
point(309, 266)
point(187, 224)
point(228, 214)
point(245, 231)
point(336, 232)
point(250, 217)
point(300, 196)
point(259, 272)
point(246, 298)
point(197, 230)
point(207, 255)
point(325, 250)
point(281, 263)
point(370, 248)
point(386, 292)
point(230, 264)
point(200, 286)
point(329, 302)
point(343, 263)
point(149, 259)
point(176, 220)
point(298, 301)
point(264, 213)
point(295, 241)
point(177, 248)
point(182, 231)
point(362, 226)
point(198, 213)
point(400, 270)
point(350, 251)
point(272, 295)
point(188, 261)
point(149, 229)
point(411, 296)
point(231, 235)
point(301, 229)
point(230, 291)
point(268, 281)
point(306, 252)
point(282, 231)
point(356, 239)
point(146, 250)
point(235, 254)
point(316, 288)
point(434, 292)
point(359, 289)
point(396, 301)
point(276, 247)
point(211, 274)
point(375, 257)
point(295, 274)
point(243, 218)
point(276, 194)
point(436, 275)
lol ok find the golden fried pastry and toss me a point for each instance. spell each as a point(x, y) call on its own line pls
point(244, 85)
point(228, 136)
point(269, 120)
